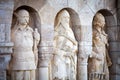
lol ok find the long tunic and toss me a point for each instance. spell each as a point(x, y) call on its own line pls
point(23, 57)
point(65, 59)
point(98, 64)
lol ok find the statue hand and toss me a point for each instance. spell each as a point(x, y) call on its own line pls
point(95, 55)
point(36, 34)
point(75, 49)
point(99, 57)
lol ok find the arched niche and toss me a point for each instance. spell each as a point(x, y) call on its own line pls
point(110, 26)
point(111, 30)
point(74, 25)
point(35, 21)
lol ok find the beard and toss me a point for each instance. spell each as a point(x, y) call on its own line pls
point(23, 22)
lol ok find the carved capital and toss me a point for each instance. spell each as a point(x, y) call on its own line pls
point(85, 49)
point(6, 48)
point(45, 52)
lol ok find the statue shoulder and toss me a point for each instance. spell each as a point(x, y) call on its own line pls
point(30, 29)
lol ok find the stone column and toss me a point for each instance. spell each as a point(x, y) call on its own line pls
point(6, 12)
point(43, 70)
point(84, 51)
point(46, 50)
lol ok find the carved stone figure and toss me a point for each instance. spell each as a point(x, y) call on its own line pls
point(100, 60)
point(24, 58)
point(65, 57)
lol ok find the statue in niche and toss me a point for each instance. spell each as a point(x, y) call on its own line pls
point(25, 53)
point(99, 59)
point(65, 56)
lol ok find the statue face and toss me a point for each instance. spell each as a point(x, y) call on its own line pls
point(99, 20)
point(64, 17)
point(23, 17)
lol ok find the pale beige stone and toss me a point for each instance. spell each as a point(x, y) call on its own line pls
point(25, 54)
point(65, 57)
point(43, 14)
point(100, 60)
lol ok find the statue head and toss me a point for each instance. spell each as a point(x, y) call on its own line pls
point(23, 17)
point(99, 20)
point(63, 18)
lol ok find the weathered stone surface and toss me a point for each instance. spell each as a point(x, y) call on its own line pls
point(113, 33)
point(2, 75)
point(110, 4)
point(24, 53)
point(81, 25)
point(99, 60)
point(66, 48)
point(114, 46)
point(118, 16)
point(96, 4)
point(6, 10)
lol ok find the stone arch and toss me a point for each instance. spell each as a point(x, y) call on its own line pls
point(111, 30)
point(35, 21)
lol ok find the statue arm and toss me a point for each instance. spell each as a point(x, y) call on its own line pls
point(75, 47)
point(109, 62)
point(36, 36)
point(75, 44)
point(36, 39)
point(96, 56)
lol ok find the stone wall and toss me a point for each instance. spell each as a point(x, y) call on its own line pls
point(82, 13)
point(6, 11)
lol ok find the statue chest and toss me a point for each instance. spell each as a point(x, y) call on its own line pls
point(23, 39)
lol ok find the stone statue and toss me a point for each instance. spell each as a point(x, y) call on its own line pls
point(99, 59)
point(65, 57)
point(25, 54)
